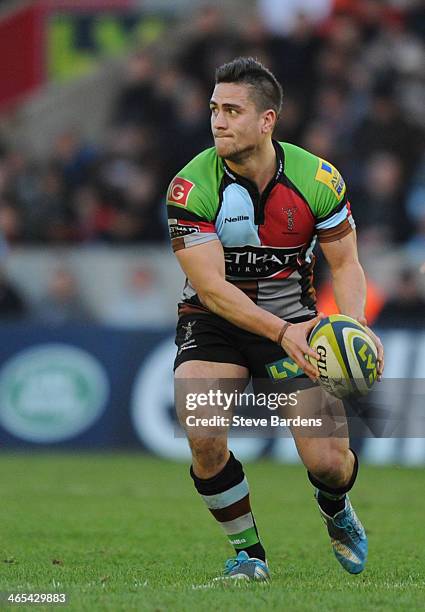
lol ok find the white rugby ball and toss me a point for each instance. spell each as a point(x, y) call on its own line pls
point(348, 356)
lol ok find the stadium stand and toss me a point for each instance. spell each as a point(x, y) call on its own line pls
point(87, 162)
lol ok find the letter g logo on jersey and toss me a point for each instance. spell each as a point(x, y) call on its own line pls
point(179, 191)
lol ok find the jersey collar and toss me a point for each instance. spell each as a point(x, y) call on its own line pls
point(280, 162)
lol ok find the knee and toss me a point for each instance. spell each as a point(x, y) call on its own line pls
point(333, 468)
point(209, 456)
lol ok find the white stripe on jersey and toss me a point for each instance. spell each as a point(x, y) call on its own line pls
point(335, 220)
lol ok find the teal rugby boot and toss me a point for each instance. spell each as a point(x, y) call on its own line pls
point(244, 567)
point(348, 537)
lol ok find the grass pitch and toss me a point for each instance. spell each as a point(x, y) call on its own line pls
point(127, 532)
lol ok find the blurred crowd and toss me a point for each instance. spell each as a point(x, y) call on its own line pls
point(62, 300)
point(354, 89)
point(354, 85)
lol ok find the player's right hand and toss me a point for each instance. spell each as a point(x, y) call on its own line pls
point(294, 343)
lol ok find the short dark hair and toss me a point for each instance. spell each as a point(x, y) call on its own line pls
point(266, 89)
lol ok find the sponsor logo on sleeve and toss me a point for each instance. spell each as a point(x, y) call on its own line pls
point(329, 175)
point(179, 230)
point(179, 190)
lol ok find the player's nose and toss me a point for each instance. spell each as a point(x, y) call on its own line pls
point(219, 121)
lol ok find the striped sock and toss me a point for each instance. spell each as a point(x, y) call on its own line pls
point(227, 498)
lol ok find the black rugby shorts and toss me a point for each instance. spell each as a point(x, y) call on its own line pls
point(208, 337)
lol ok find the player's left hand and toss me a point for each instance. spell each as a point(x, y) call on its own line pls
point(378, 344)
point(294, 343)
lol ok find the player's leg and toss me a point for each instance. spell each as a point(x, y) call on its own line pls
point(331, 465)
point(324, 451)
point(332, 469)
point(217, 475)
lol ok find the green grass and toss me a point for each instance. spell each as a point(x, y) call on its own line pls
point(122, 532)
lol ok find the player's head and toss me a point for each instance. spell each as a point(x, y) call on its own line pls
point(245, 105)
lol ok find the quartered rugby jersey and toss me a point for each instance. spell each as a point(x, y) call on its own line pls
point(268, 239)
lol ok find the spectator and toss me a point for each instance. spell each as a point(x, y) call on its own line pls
point(407, 305)
point(73, 158)
point(62, 303)
point(319, 140)
point(385, 128)
point(11, 221)
point(191, 131)
point(293, 60)
point(209, 43)
point(353, 94)
point(12, 304)
point(136, 102)
point(50, 219)
point(379, 208)
point(140, 303)
point(93, 217)
point(281, 17)
point(416, 213)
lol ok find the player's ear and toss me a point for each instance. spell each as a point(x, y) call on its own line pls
point(268, 121)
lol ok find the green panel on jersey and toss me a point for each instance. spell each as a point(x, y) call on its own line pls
point(203, 175)
point(196, 187)
point(316, 179)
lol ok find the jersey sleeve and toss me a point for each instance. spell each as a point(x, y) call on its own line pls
point(332, 208)
point(190, 214)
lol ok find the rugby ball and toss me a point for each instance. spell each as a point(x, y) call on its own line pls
point(348, 356)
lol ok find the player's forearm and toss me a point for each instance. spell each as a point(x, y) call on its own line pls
point(349, 285)
point(227, 301)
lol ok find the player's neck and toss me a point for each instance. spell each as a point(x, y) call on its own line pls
point(259, 167)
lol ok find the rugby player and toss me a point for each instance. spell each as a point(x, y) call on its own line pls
point(244, 217)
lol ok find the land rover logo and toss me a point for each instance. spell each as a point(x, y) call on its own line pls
point(51, 393)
